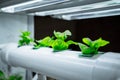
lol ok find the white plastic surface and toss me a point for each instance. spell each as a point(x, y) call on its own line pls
point(64, 65)
point(107, 67)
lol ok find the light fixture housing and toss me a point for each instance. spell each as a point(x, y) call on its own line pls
point(30, 5)
point(63, 11)
point(94, 14)
point(67, 9)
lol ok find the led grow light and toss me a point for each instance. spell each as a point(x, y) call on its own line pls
point(94, 14)
point(30, 5)
point(80, 8)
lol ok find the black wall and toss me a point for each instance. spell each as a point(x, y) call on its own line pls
point(108, 28)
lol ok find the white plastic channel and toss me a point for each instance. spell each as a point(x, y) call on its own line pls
point(64, 65)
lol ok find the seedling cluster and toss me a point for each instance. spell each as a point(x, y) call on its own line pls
point(90, 47)
point(60, 42)
point(25, 39)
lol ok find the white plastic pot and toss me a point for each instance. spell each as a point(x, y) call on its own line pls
point(64, 65)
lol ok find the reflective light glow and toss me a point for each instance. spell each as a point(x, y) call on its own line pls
point(100, 9)
point(30, 5)
point(94, 14)
point(10, 9)
point(80, 8)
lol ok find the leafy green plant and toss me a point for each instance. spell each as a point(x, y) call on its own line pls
point(90, 47)
point(45, 42)
point(57, 42)
point(60, 42)
point(62, 35)
point(25, 39)
point(11, 77)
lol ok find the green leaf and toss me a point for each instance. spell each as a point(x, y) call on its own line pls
point(91, 47)
point(62, 35)
point(25, 33)
point(67, 32)
point(1, 73)
point(45, 42)
point(25, 39)
point(99, 43)
point(59, 44)
point(15, 77)
point(87, 51)
point(2, 76)
point(71, 42)
point(12, 77)
point(87, 41)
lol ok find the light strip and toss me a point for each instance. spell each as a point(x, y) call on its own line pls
point(30, 5)
point(80, 8)
point(10, 9)
point(87, 15)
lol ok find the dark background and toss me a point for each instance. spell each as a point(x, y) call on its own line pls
point(108, 28)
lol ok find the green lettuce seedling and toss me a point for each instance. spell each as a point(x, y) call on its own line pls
point(60, 42)
point(90, 47)
point(11, 77)
point(25, 39)
point(45, 42)
point(62, 35)
point(57, 42)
